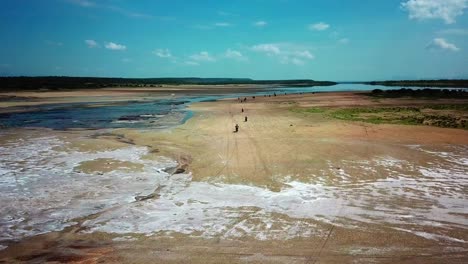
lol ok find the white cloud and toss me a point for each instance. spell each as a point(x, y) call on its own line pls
point(127, 13)
point(113, 8)
point(202, 56)
point(291, 60)
point(235, 55)
point(446, 10)
point(304, 54)
point(321, 26)
point(115, 46)
point(343, 41)
point(297, 61)
point(267, 48)
point(222, 24)
point(441, 44)
point(162, 53)
point(286, 53)
point(260, 23)
point(297, 58)
point(454, 31)
point(212, 26)
point(191, 63)
point(83, 3)
point(91, 43)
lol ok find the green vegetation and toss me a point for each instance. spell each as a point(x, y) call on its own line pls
point(419, 93)
point(457, 107)
point(423, 83)
point(394, 115)
point(450, 116)
point(308, 110)
point(63, 82)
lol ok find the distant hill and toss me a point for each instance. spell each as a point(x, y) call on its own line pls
point(423, 83)
point(63, 82)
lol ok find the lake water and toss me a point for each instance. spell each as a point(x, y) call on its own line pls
point(159, 113)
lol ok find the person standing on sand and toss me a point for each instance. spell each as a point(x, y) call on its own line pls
point(242, 110)
point(245, 119)
point(236, 128)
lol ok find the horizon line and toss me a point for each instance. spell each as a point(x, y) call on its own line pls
point(235, 78)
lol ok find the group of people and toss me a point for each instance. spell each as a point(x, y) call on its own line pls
point(242, 100)
point(236, 127)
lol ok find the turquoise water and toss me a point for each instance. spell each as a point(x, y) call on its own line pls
point(159, 113)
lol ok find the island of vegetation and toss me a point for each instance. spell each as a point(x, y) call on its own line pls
point(431, 107)
point(423, 83)
point(420, 93)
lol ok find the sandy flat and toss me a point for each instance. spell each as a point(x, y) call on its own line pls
point(288, 187)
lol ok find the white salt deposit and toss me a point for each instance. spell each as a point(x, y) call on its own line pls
point(207, 209)
point(41, 192)
point(214, 210)
point(432, 236)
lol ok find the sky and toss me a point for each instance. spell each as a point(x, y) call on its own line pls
point(336, 40)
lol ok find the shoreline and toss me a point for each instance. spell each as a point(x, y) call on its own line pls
point(10, 99)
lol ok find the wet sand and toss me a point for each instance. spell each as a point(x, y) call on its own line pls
point(288, 187)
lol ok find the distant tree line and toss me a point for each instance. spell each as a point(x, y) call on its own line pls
point(421, 93)
point(424, 83)
point(64, 82)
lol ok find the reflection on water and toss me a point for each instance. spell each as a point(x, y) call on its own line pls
point(159, 113)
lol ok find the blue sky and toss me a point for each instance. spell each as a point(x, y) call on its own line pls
point(261, 39)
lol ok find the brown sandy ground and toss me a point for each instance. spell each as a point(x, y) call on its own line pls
point(274, 144)
point(342, 246)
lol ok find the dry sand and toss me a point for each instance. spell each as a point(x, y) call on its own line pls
point(278, 142)
point(407, 207)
